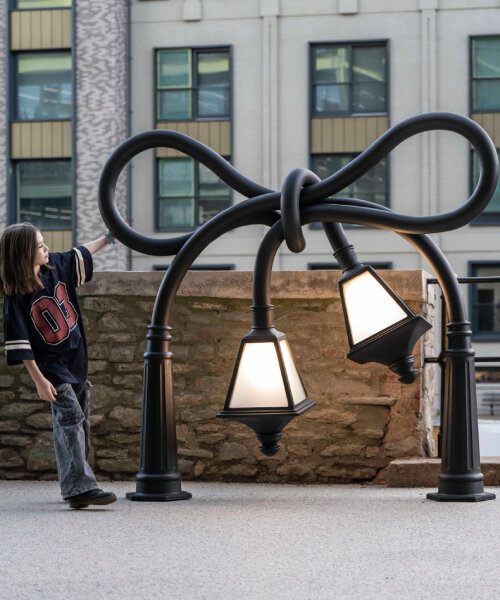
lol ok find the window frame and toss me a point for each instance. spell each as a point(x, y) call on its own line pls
point(351, 44)
point(473, 110)
point(13, 95)
point(195, 50)
point(196, 195)
point(472, 265)
point(486, 217)
point(354, 154)
point(15, 189)
point(12, 4)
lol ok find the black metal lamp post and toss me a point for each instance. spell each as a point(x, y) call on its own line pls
point(304, 199)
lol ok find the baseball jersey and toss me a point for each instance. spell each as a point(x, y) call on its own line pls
point(46, 325)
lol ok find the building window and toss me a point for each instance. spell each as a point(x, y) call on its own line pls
point(42, 4)
point(492, 212)
point(44, 190)
point(193, 84)
point(485, 74)
point(372, 186)
point(348, 79)
point(43, 86)
point(485, 301)
point(189, 194)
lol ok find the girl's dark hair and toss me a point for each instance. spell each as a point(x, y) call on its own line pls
point(18, 249)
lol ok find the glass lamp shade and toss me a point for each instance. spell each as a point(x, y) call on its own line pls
point(266, 389)
point(369, 306)
point(380, 327)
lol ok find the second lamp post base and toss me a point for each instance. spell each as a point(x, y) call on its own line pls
point(479, 497)
point(164, 497)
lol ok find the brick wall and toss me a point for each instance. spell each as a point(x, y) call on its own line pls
point(364, 417)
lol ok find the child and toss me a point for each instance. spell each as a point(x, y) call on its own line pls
point(43, 328)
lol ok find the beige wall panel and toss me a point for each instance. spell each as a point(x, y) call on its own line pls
point(41, 139)
point(40, 29)
point(225, 147)
point(15, 142)
point(58, 240)
point(315, 135)
point(326, 135)
point(215, 134)
point(360, 137)
point(26, 140)
point(36, 139)
point(66, 138)
point(371, 130)
point(349, 134)
point(46, 139)
point(25, 37)
point(490, 122)
point(201, 132)
point(338, 135)
point(57, 138)
point(57, 32)
point(66, 28)
point(67, 239)
point(46, 29)
point(345, 134)
point(15, 30)
point(36, 28)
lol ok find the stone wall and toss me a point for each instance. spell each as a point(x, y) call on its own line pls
point(364, 417)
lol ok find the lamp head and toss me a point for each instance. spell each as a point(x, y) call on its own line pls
point(380, 327)
point(266, 391)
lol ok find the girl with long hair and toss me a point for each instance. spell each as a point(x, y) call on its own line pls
point(43, 328)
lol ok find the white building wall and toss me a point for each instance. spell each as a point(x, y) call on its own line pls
point(429, 57)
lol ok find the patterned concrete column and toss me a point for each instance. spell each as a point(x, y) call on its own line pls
point(101, 114)
point(3, 117)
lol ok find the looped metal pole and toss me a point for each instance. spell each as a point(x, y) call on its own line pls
point(303, 198)
point(290, 206)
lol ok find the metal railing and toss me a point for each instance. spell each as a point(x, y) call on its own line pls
point(442, 334)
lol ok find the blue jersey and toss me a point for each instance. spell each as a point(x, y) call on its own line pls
point(46, 325)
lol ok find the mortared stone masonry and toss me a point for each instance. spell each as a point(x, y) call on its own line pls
point(364, 418)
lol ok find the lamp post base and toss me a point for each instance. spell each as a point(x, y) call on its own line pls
point(163, 497)
point(477, 497)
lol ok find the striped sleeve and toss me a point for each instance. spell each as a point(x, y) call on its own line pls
point(83, 265)
point(17, 345)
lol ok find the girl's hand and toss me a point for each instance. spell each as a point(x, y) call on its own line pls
point(46, 390)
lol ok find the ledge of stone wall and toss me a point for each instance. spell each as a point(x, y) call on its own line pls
point(363, 420)
point(410, 285)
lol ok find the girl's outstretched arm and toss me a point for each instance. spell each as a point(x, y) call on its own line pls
point(96, 245)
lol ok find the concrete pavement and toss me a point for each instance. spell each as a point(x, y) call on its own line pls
point(248, 541)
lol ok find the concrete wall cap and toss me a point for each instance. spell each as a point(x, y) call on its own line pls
point(410, 285)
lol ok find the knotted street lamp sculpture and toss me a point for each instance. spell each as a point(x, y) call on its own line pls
point(387, 338)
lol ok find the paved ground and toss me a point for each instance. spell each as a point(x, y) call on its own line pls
point(245, 542)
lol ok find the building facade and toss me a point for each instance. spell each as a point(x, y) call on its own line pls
point(65, 71)
point(278, 84)
point(271, 85)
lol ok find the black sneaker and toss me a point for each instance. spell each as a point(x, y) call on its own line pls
point(96, 496)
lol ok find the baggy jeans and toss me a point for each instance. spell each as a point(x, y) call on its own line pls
point(70, 420)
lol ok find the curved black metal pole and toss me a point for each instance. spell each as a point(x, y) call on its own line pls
point(327, 187)
point(158, 478)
